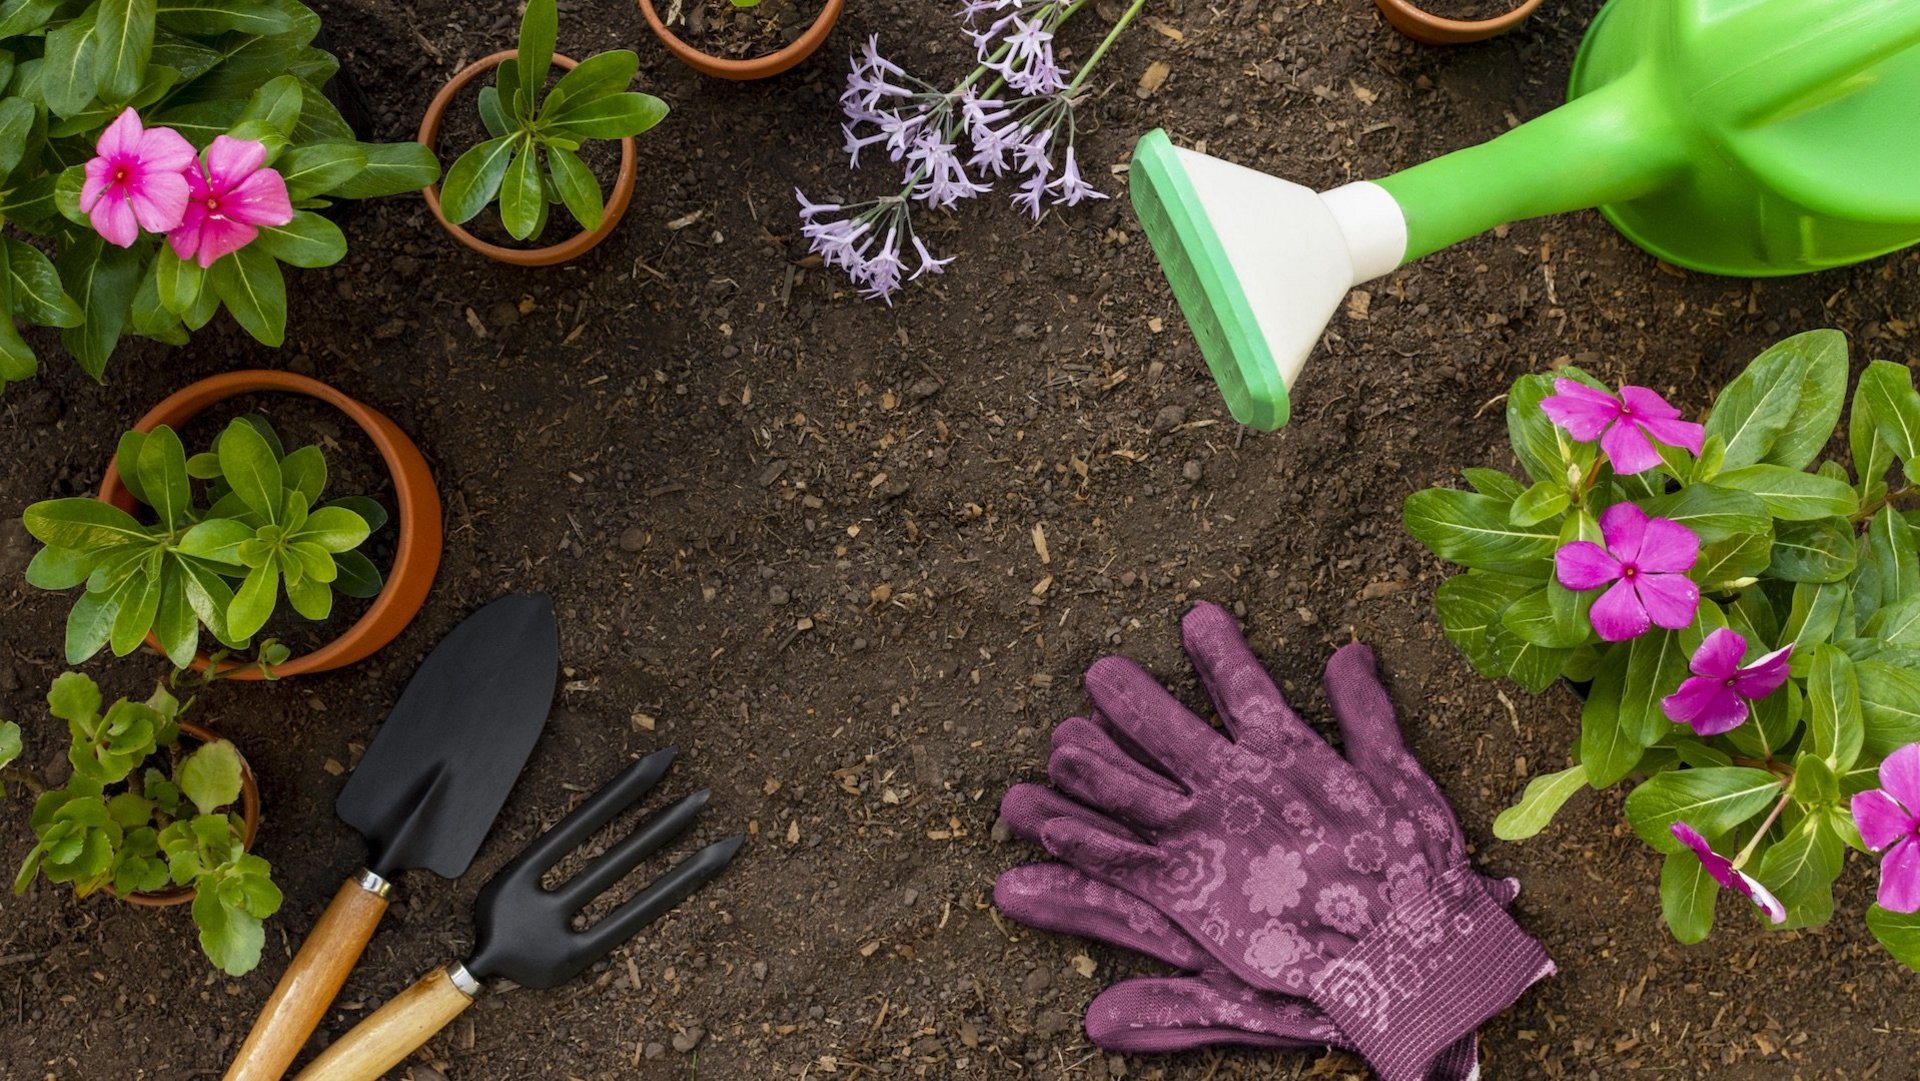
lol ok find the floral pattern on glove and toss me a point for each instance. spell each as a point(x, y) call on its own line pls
point(1274, 881)
point(1344, 908)
point(1278, 949)
point(1191, 878)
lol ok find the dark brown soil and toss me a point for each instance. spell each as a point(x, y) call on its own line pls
point(793, 532)
point(723, 29)
point(1468, 10)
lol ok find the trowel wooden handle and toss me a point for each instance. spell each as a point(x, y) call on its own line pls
point(311, 983)
point(394, 1031)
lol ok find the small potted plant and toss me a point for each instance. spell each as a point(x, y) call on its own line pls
point(743, 39)
point(1749, 623)
point(157, 811)
point(176, 545)
point(531, 162)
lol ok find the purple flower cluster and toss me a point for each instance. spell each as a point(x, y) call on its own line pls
point(949, 142)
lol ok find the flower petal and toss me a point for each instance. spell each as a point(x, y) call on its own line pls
point(185, 239)
point(96, 184)
point(1677, 433)
point(164, 149)
point(1667, 547)
point(1764, 676)
point(1881, 819)
point(1900, 776)
point(1706, 705)
point(113, 219)
point(1762, 896)
point(1900, 878)
point(1585, 565)
point(1720, 867)
point(1645, 404)
point(1670, 599)
point(260, 199)
point(160, 201)
point(231, 160)
point(1627, 448)
point(122, 137)
point(223, 236)
point(1719, 656)
point(1618, 615)
point(1582, 410)
point(1623, 525)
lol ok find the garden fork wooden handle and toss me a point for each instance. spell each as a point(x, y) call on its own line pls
point(312, 981)
point(395, 1030)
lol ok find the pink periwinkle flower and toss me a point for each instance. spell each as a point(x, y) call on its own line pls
point(1622, 424)
point(1715, 699)
point(1646, 561)
point(229, 198)
point(135, 180)
point(1729, 876)
point(1889, 818)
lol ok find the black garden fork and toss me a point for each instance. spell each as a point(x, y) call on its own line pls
point(524, 930)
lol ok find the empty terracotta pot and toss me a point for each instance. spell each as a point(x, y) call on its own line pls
point(759, 67)
point(1429, 29)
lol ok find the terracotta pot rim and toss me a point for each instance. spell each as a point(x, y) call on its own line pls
point(249, 810)
point(417, 552)
point(573, 247)
point(1430, 29)
point(759, 67)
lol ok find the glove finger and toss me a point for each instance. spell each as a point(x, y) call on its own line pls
point(1091, 769)
point(1027, 808)
point(1246, 697)
point(1055, 897)
point(1374, 745)
point(1167, 732)
point(1157, 1015)
point(1099, 848)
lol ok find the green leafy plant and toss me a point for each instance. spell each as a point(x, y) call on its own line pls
point(125, 822)
point(1747, 623)
point(244, 68)
point(589, 102)
point(216, 555)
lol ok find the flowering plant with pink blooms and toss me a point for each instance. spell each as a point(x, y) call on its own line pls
point(1010, 121)
point(158, 163)
point(1743, 623)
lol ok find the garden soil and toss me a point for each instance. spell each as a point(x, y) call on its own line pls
point(853, 559)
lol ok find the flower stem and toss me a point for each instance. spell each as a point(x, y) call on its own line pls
point(1754, 842)
point(1105, 44)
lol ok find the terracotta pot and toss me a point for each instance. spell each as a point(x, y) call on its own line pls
point(416, 560)
point(1429, 29)
point(572, 248)
point(249, 810)
point(760, 67)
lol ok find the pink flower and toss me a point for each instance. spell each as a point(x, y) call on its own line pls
point(232, 195)
point(1627, 421)
point(1889, 818)
point(1646, 560)
point(1725, 873)
point(1715, 699)
point(135, 180)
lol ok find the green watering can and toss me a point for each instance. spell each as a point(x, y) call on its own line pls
point(1741, 137)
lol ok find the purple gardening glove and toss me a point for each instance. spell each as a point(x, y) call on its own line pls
point(1297, 871)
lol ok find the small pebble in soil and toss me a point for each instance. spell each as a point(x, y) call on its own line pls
point(655, 1049)
point(633, 539)
point(1192, 471)
point(778, 595)
point(689, 1039)
point(1169, 418)
point(1037, 982)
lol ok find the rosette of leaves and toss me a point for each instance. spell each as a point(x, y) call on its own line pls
point(204, 68)
point(1823, 556)
point(530, 162)
point(122, 820)
point(227, 533)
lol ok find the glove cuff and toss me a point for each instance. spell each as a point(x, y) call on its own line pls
point(1429, 974)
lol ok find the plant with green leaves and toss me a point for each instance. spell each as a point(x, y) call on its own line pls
point(531, 162)
point(142, 812)
point(226, 533)
point(1747, 622)
point(192, 70)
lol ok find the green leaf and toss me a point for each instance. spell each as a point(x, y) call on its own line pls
point(139, 604)
point(1890, 548)
point(210, 597)
point(252, 469)
point(101, 279)
point(492, 116)
point(18, 17)
point(35, 292)
point(305, 471)
point(539, 26)
point(309, 240)
point(1473, 530)
point(616, 116)
point(231, 937)
point(1899, 932)
point(1657, 662)
point(1816, 611)
point(310, 598)
point(74, 696)
point(1609, 750)
point(1712, 512)
point(1712, 801)
point(1534, 619)
point(276, 104)
point(1792, 494)
point(597, 76)
point(1896, 624)
point(475, 178)
point(1757, 406)
point(1745, 556)
point(356, 576)
point(1493, 482)
point(9, 747)
point(1816, 551)
point(217, 16)
point(1823, 390)
point(162, 466)
point(69, 76)
point(391, 169)
point(1889, 707)
point(1544, 797)
point(1534, 667)
point(1872, 457)
point(81, 524)
point(125, 32)
point(179, 281)
point(210, 776)
point(174, 623)
point(90, 624)
point(521, 196)
point(1836, 726)
point(1887, 390)
point(216, 539)
point(1687, 896)
point(1469, 607)
point(333, 529)
point(1800, 871)
point(254, 602)
point(249, 283)
point(580, 192)
point(317, 169)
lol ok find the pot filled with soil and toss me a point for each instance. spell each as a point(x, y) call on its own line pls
point(730, 40)
point(249, 810)
point(1455, 22)
point(263, 534)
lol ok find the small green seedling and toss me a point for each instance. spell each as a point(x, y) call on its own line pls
point(589, 102)
point(217, 558)
point(123, 821)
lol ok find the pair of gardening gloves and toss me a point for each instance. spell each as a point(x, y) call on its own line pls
point(1308, 899)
